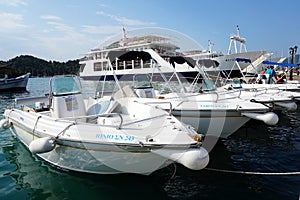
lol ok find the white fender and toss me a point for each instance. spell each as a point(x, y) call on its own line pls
point(42, 145)
point(4, 124)
point(291, 106)
point(268, 118)
point(195, 159)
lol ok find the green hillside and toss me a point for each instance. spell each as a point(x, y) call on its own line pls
point(37, 67)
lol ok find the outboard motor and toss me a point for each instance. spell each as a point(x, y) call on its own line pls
point(66, 98)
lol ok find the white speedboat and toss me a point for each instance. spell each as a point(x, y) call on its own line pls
point(107, 137)
point(254, 89)
point(209, 113)
point(294, 87)
point(273, 97)
point(206, 112)
point(263, 89)
point(263, 81)
point(16, 83)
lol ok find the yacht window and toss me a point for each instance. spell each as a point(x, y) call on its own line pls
point(97, 66)
point(128, 64)
point(105, 66)
point(147, 64)
point(137, 64)
point(82, 67)
point(120, 65)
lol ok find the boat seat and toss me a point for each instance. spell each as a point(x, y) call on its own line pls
point(103, 107)
point(262, 78)
point(68, 106)
point(145, 93)
point(127, 91)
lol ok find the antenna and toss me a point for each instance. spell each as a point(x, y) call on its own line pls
point(234, 39)
point(238, 30)
point(123, 41)
point(210, 46)
point(124, 33)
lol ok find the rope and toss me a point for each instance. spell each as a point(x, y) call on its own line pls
point(174, 172)
point(35, 126)
point(65, 129)
point(253, 173)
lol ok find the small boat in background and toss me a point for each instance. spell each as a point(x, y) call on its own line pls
point(17, 83)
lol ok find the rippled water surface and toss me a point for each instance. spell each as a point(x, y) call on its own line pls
point(254, 148)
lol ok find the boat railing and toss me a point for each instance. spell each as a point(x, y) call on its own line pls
point(170, 109)
point(273, 88)
point(234, 91)
point(214, 93)
point(189, 101)
point(75, 118)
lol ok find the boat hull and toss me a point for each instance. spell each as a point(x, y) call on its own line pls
point(19, 83)
point(108, 148)
point(96, 158)
point(208, 116)
point(273, 98)
point(128, 76)
point(227, 61)
point(286, 87)
point(220, 123)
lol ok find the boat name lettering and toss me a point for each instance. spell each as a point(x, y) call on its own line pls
point(214, 106)
point(117, 137)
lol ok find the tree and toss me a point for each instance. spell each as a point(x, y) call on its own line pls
point(37, 67)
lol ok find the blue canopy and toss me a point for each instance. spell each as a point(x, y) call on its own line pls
point(280, 64)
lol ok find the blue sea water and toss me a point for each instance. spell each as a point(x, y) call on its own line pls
point(254, 148)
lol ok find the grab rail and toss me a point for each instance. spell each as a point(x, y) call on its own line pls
point(170, 110)
point(109, 114)
point(92, 116)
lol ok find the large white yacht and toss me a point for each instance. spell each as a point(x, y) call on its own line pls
point(96, 64)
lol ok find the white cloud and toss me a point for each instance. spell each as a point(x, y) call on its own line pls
point(54, 40)
point(9, 21)
point(60, 42)
point(126, 21)
point(101, 29)
point(60, 26)
point(104, 5)
point(50, 17)
point(13, 2)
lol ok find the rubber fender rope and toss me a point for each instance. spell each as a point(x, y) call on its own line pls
point(253, 173)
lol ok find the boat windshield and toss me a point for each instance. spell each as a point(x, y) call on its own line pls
point(236, 83)
point(208, 85)
point(142, 81)
point(64, 85)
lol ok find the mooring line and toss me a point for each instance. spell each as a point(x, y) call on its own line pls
point(253, 173)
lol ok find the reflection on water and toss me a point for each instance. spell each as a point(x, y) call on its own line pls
point(255, 147)
point(41, 181)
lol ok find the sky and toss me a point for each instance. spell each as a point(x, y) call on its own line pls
point(63, 30)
